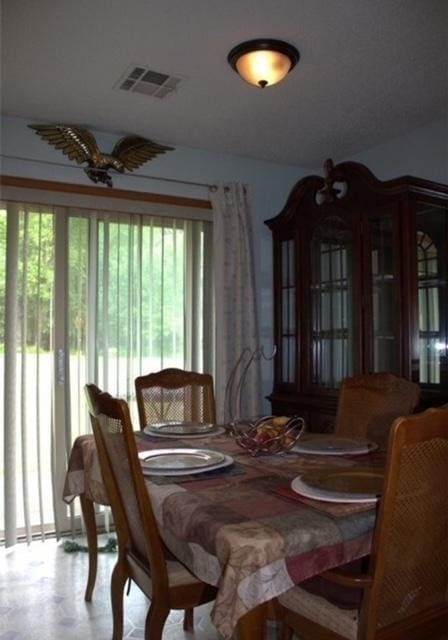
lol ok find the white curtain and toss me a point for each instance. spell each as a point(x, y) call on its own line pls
point(235, 282)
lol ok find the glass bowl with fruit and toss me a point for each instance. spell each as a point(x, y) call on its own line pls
point(269, 434)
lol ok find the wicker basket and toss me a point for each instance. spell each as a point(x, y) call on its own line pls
point(269, 434)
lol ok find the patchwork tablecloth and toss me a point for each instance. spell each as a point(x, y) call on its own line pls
point(243, 529)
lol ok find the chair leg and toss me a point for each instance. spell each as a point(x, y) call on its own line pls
point(155, 621)
point(88, 514)
point(118, 581)
point(189, 620)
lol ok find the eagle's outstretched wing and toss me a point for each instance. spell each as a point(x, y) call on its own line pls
point(77, 143)
point(133, 151)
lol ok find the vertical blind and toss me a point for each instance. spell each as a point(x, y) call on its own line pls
point(89, 296)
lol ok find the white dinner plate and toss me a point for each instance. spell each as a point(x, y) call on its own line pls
point(157, 433)
point(226, 462)
point(340, 485)
point(332, 445)
point(176, 428)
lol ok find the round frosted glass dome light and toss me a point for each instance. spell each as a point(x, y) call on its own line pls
point(263, 62)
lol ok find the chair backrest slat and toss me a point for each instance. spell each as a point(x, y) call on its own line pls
point(409, 559)
point(175, 394)
point(369, 403)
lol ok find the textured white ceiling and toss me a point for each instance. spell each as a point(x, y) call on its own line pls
point(370, 70)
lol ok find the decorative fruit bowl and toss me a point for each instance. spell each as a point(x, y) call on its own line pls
point(269, 434)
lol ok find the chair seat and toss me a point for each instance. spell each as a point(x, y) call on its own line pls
point(322, 612)
point(178, 574)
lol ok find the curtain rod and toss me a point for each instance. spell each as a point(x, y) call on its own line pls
point(132, 175)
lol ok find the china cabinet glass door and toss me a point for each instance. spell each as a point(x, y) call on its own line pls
point(385, 318)
point(432, 283)
point(332, 303)
point(288, 307)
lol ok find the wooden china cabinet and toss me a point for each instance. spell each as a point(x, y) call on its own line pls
point(360, 285)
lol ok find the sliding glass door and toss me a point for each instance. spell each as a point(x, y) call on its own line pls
point(89, 296)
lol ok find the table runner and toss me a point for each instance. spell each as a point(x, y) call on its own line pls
point(243, 531)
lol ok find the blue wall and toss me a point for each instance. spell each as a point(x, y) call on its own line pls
point(422, 153)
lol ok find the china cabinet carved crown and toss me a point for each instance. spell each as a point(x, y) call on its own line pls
point(360, 285)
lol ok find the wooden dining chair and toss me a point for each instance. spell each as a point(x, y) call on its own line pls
point(405, 590)
point(142, 555)
point(175, 394)
point(368, 405)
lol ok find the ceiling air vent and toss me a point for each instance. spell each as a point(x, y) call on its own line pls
point(150, 83)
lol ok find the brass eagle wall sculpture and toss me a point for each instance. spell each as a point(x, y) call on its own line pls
point(79, 144)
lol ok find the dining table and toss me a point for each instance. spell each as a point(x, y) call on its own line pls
point(241, 528)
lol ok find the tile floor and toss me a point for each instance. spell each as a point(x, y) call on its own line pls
point(42, 598)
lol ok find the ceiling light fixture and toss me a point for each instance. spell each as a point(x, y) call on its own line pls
point(263, 62)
